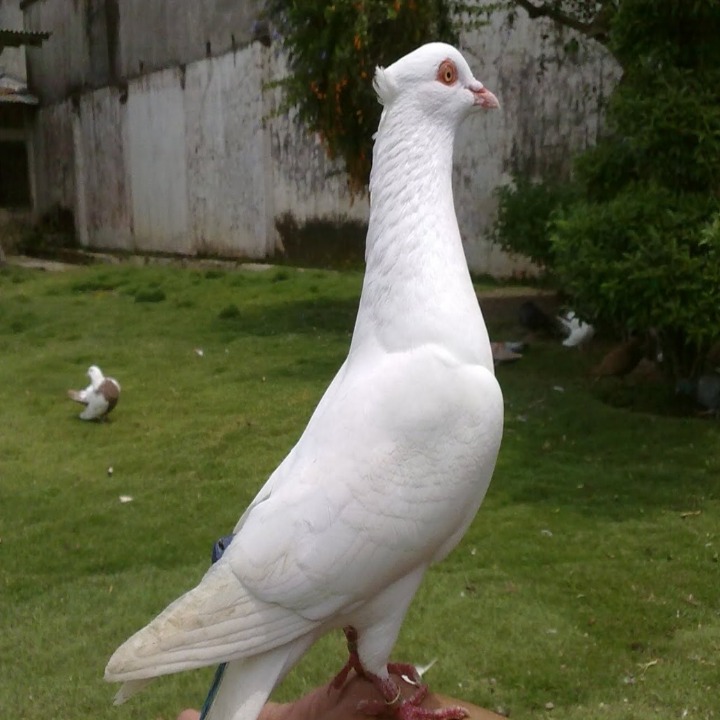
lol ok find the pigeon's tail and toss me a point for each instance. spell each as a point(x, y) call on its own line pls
point(217, 621)
point(245, 685)
point(128, 689)
point(240, 688)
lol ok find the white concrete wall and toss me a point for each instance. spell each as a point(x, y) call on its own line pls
point(175, 163)
point(193, 159)
point(103, 202)
point(157, 166)
point(229, 202)
point(54, 170)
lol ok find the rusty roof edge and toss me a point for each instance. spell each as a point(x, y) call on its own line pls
point(16, 38)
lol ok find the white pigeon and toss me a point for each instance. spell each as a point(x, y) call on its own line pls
point(394, 462)
point(578, 332)
point(99, 397)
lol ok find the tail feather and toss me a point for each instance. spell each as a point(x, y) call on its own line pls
point(245, 685)
point(130, 688)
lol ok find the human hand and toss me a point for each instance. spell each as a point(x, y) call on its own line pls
point(326, 703)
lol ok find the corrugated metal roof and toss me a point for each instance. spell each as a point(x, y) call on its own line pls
point(14, 90)
point(16, 38)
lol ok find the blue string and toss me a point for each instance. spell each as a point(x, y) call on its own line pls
point(217, 552)
point(213, 691)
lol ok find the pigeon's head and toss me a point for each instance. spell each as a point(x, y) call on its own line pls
point(95, 374)
point(436, 80)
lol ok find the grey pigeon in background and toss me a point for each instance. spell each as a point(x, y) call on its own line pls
point(705, 390)
point(99, 397)
point(708, 392)
point(394, 462)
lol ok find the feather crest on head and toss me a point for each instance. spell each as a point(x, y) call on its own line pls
point(384, 86)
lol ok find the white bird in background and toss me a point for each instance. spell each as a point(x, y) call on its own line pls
point(578, 332)
point(394, 462)
point(99, 397)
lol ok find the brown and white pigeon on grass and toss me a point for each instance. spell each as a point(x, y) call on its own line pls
point(396, 459)
point(99, 397)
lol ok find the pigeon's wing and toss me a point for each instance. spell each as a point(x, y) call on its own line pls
point(82, 396)
point(283, 473)
point(97, 406)
point(388, 473)
point(79, 396)
point(354, 507)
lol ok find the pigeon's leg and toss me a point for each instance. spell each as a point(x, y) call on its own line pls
point(406, 708)
point(403, 708)
point(353, 662)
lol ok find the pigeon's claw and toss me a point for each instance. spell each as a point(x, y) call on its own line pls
point(408, 708)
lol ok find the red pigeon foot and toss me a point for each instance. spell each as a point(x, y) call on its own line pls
point(353, 662)
point(403, 708)
point(406, 708)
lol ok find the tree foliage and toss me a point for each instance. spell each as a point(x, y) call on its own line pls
point(524, 212)
point(636, 241)
point(591, 18)
point(333, 49)
point(641, 249)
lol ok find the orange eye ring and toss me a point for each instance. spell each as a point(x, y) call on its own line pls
point(447, 72)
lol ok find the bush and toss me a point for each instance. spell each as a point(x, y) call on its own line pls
point(641, 249)
point(648, 259)
point(523, 214)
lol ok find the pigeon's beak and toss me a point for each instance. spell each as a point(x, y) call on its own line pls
point(483, 97)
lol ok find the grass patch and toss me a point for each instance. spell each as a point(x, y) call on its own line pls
point(589, 579)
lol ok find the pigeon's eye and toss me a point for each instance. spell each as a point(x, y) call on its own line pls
point(447, 72)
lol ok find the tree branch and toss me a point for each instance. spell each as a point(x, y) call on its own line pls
point(597, 28)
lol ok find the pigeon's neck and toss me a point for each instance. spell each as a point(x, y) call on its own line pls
point(417, 287)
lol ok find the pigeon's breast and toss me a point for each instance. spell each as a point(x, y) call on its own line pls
point(423, 438)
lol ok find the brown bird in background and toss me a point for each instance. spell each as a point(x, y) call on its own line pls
point(621, 360)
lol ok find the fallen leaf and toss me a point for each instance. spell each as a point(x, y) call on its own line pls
point(645, 666)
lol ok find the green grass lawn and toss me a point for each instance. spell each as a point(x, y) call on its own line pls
point(588, 586)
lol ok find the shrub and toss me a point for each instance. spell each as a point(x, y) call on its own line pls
point(523, 214)
point(641, 249)
point(649, 259)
